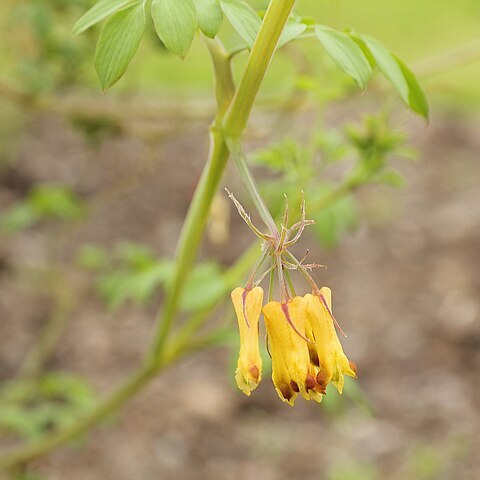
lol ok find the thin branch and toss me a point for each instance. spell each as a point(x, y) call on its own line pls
point(246, 217)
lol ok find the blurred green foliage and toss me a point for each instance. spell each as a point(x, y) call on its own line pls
point(30, 407)
point(329, 166)
point(354, 471)
point(132, 273)
point(37, 47)
point(425, 463)
point(39, 53)
point(44, 202)
point(357, 55)
point(46, 56)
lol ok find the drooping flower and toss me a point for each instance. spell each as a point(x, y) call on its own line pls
point(301, 337)
point(333, 364)
point(248, 308)
point(291, 368)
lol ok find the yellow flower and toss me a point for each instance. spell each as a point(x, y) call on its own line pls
point(291, 369)
point(332, 362)
point(302, 341)
point(248, 307)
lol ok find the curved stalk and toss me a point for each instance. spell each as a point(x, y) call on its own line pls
point(266, 248)
point(234, 122)
point(250, 184)
point(233, 125)
point(44, 445)
point(190, 238)
point(260, 57)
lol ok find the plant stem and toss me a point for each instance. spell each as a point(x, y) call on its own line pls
point(271, 283)
point(448, 59)
point(260, 57)
point(290, 283)
point(233, 125)
point(231, 278)
point(281, 278)
point(224, 87)
point(250, 184)
point(349, 185)
point(191, 236)
point(266, 248)
point(51, 332)
point(235, 121)
point(38, 448)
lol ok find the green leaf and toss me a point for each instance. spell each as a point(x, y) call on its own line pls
point(56, 201)
point(291, 31)
point(118, 44)
point(391, 178)
point(120, 286)
point(13, 418)
point(134, 255)
point(18, 218)
point(345, 53)
point(417, 98)
point(175, 23)
point(91, 257)
point(209, 16)
point(360, 41)
point(101, 10)
point(45, 201)
point(400, 76)
point(282, 157)
point(243, 18)
point(333, 222)
point(203, 286)
point(31, 407)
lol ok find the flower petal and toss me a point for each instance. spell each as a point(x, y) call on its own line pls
point(289, 351)
point(248, 307)
point(333, 363)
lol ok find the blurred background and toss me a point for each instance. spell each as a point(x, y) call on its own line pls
point(93, 192)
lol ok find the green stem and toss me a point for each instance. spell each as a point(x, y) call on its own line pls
point(260, 57)
point(131, 386)
point(281, 278)
point(224, 86)
point(251, 185)
point(235, 121)
point(191, 236)
point(231, 278)
point(271, 283)
point(233, 124)
point(448, 59)
point(197, 215)
point(290, 283)
point(266, 248)
point(51, 332)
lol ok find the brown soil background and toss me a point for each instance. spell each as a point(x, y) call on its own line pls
point(406, 288)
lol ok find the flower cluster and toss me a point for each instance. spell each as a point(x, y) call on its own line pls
point(302, 341)
point(301, 336)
